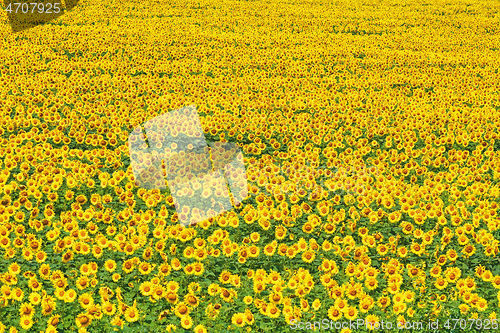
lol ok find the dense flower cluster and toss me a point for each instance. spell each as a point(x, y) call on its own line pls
point(370, 134)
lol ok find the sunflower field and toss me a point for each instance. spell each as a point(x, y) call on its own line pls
point(370, 137)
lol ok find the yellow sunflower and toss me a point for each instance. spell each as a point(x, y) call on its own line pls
point(26, 322)
point(131, 314)
point(83, 320)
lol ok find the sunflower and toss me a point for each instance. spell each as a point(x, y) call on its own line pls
point(34, 284)
point(110, 230)
point(398, 298)
point(382, 249)
point(238, 319)
point(95, 311)
point(468, 250)
point(334, 313)
point(131, 314)
point(308, 256)
point(97, 251)
point(172, 298)
point(14, 268)
point(128, 266)
point(482, 304)
point(28, 254)
point(4, 241)
point(83, 320)
point(85, 249)
point(471, 284)
point(69, 195)
point(292, 251)
point(200, 329)
point(402, 252)
point(129, 249)
point(496, 281)
point(82, 282)
point(59, 293)
point(85, 269)
point(17, 294)
point(54, 320)
point(451, 255)
point(453, 273)
point(116, 277)
point(70, 296)
point(186, 322)
point(146, 288)
point(86, 300)
point(35, 298)
point(435, 271)
point(440, 283)
point(353, 290)
point(417, 249)
point(304, 305)
point(366, 304)
point(383, 302)
point(399, 308)
point(81, 199)
point(192, 300)
point(110, 265)
point(442, 260)
point(464, 308)
point(227, 295)
point(308, 227)
point(159, 292)
point(145, 268)
point(372, 322)
point(181, 310)
point(6, 291)
point(27, 310)
point(26, 322)
point(371, 283)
